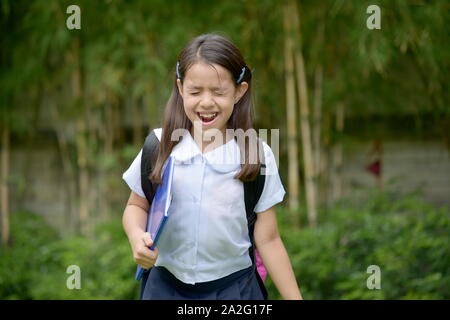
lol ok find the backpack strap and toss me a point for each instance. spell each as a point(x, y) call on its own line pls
point(252, 192)
point(148, 159)
point(149, 155)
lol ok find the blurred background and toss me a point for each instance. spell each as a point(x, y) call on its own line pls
point(364, 122)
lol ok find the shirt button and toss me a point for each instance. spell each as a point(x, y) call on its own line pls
point(194, 198)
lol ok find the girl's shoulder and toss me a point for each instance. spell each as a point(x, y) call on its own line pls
point(158, 132)
point(270, 158)
point(266, 147)
point(268, 152)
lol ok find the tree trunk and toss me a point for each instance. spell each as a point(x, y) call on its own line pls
point(83, 176)
point(337, 155)
point(326, 160)
point(68, 169)
point(106, 134)
point(317, 113)
point(4, 184)
point(317, 126)
point(107, 130)
point(149, 98)
point(81, 142)
point(93, 193)
point(132, 106)
point(116, 124)
point(293, 166)
point(310, 185)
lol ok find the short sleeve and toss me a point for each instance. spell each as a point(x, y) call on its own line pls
point(273, 191)
point(133, 176)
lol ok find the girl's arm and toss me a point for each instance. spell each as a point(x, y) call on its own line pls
point(274, 255)
point(134, 222)
point(135, 214)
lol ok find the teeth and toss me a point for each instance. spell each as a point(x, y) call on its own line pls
point(209, 115)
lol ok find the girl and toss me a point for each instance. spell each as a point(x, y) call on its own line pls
point(203, 252)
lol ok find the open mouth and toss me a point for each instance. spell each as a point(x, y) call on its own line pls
point(207, 118)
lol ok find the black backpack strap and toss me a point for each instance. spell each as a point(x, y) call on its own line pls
point(149, 155)
point(148, 159)
point(252, 192)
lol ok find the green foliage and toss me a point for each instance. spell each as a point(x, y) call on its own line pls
point(36, 264)
point(19, 264)
point(128, 48)
point(406, 238)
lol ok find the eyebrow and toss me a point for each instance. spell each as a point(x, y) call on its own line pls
point(191, 87)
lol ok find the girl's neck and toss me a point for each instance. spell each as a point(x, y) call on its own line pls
point(208, 141)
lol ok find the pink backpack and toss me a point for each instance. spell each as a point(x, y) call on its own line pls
point(260, 266)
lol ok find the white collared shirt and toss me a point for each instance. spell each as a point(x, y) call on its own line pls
point(206, 235)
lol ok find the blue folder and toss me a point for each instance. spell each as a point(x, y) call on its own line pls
point(159, 210)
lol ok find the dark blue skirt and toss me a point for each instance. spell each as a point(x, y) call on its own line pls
point(160, 284)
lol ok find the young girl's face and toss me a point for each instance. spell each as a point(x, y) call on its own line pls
point(209, 94)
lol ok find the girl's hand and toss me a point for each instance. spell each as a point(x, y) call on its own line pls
point(142, 254)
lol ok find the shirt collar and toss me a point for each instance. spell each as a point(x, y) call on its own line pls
point(225, 158)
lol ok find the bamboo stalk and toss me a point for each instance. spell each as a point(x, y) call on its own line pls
point(82, 175)
point(106, 134)
point(81, 143)
point(337, 157)
point(4, 184)
point(136, 115)
point(293, 166)
point(310, 185)
point(317, 124)
point(67, 166)
point(326, 159)
point(317, 114)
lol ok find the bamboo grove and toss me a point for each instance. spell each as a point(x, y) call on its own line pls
point(95, 92)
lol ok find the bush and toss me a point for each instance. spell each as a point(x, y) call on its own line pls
point(408, 240)
point(405, 237)
point(36, 264)
point(27, 256)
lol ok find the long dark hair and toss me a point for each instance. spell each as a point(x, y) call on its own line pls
point(211, 48)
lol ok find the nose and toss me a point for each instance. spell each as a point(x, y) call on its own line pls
point(206, 101)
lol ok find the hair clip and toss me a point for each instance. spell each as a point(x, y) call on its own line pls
point(241, 76)
point(178, 70)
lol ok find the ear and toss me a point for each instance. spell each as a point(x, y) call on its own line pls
point(240, 91)
point(180, 87)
